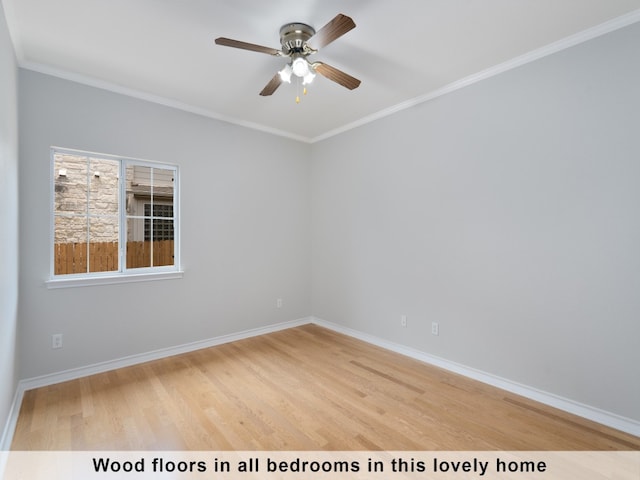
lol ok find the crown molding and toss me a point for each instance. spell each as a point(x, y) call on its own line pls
point(157, 99)
point(555, 47)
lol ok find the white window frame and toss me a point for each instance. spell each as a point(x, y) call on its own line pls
point(123, 274)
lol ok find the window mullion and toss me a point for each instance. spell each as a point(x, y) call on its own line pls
point(52, 213)
point(122, 214)
point(88, 209)
point(151, 217)
point(174, 215)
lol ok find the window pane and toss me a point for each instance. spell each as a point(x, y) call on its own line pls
point(144, 252)
point(138, 250)
point(162, 184)
point(70, 247)
point(138, 186)
point(139, 181)
point(70, 229)
point(103, 244)
point(70, 183)
point(163, 245)
point(103, 183)
point(150, 216)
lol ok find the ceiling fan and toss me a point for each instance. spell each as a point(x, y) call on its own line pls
point(298, 41)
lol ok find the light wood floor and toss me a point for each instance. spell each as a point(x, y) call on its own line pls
point(305, 388)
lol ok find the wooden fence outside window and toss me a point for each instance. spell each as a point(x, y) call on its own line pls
point(103, 256)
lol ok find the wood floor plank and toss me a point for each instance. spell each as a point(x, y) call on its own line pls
point(305, 388)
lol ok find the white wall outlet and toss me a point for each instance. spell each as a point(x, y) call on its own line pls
point(435, 328)
point(56, 340)
point(403, 320)
point(278, 303)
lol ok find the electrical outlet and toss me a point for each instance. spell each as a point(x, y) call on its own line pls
point(278, 303)
point(56, 340)
point(403, 321)
point(435, 328)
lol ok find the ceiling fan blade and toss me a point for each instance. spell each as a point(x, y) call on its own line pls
point(228, 42)
point(336, 75)
point(333, 30)
point(272, 86)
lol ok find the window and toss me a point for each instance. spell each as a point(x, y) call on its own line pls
point(112, 218)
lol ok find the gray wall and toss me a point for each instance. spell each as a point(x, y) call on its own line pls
point(8, 222)
point(507, 212)
point(245, 211)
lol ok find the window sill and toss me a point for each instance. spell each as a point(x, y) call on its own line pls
point(112, 279)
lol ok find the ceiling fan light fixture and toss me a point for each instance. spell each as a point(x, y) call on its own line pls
point(308, 78)
point(285, 73)
point(300, 67)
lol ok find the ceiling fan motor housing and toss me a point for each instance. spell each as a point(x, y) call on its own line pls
point(294, 36)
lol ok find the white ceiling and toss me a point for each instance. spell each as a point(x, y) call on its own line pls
point(402, 50)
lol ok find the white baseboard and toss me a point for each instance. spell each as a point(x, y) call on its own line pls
point(606, 418)
point(72, 374)
point(10, 427)
point(603, 417)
